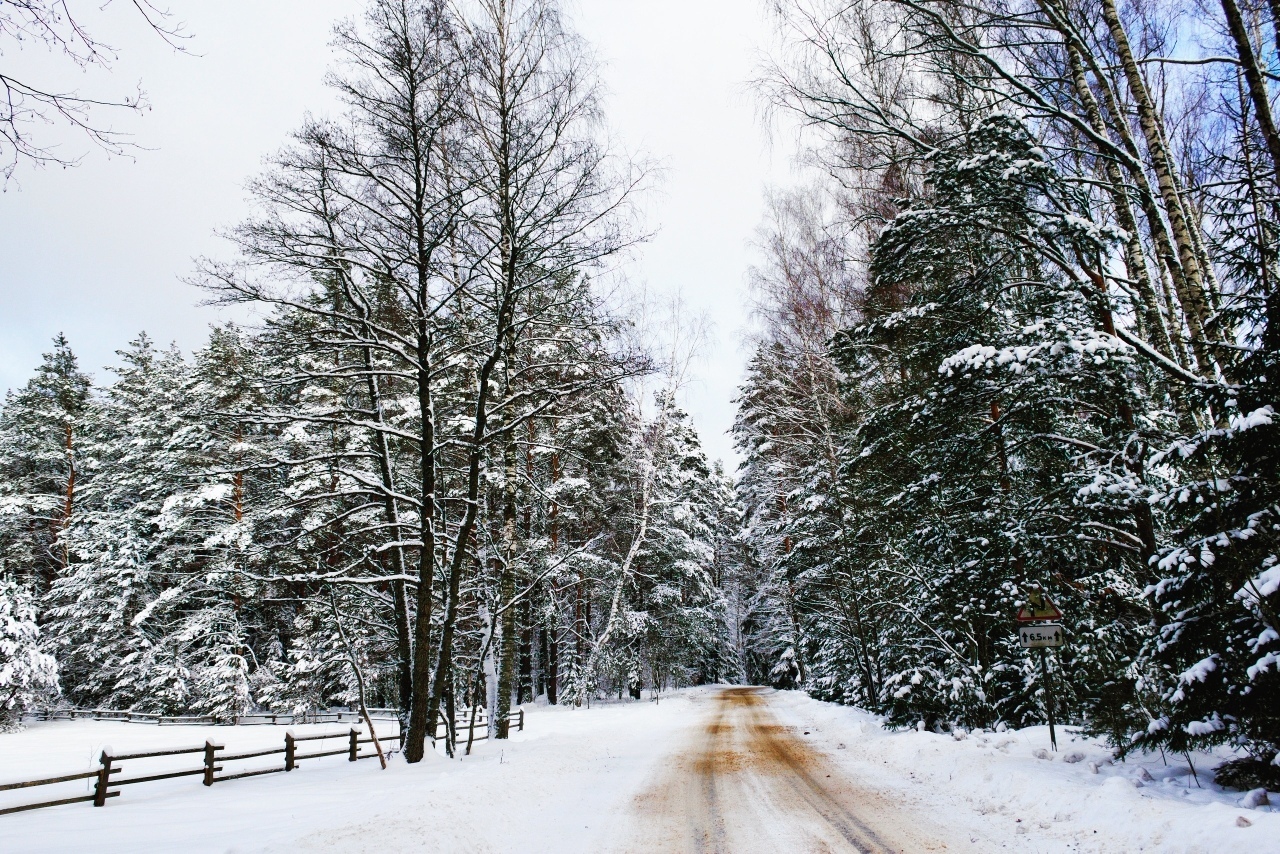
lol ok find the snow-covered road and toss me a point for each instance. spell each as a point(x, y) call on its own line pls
point(744, 782)
point(711, 769)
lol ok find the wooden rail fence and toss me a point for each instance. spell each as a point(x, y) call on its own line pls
point(333, 716)
point(212, 767)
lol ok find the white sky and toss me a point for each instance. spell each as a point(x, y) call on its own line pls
point(98, 251)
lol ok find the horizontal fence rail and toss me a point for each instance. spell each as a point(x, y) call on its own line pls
point(467, 728)
point(213, 760)
point(64, 779)
point(332, 716)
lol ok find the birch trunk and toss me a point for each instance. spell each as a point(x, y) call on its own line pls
point(1190, 287)
point(1135, 261)
point(506, 593)
point(624, 571)
point(1257, 84)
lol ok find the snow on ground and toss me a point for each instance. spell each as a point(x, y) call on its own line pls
point(995, 786)
point(563, 784)
point(552, 787)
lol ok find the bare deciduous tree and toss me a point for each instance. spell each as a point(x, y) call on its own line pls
point(26, 105)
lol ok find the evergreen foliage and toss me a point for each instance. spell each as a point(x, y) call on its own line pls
point(1050, 366)
point(28, 674)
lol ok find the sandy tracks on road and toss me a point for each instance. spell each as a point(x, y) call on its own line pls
point(746, 783)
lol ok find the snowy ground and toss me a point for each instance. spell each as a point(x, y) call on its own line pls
point(580, 781)
point(992, 790)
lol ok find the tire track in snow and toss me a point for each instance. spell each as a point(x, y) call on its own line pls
point(745, 783)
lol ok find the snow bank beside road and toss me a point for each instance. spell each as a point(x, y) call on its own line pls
point(994, 786)
point(551, 788)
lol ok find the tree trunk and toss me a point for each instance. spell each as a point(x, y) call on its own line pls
point(507, 592)
point(1256, 83)
point(579, 638)
point(524, 683)
point(423, 699)
point(553, 666)
point(1191, 286)
point(1165, 253)
point(624, 572)
point(68, 503)
point(1135, 261)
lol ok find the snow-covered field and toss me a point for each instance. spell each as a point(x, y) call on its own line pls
point(570, 782)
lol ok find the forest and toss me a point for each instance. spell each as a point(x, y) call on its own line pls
point(1016, 333)
point(441, 454)
point(1022, 334)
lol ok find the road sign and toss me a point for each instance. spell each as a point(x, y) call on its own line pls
point(1038, 609)
point(1041, 635)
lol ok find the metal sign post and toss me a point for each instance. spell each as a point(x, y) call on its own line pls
point(1037, 632)
point(1048, 697)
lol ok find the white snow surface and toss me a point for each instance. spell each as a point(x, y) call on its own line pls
point(995, 793)
point(568, 781)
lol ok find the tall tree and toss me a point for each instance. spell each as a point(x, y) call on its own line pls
point(41, 432)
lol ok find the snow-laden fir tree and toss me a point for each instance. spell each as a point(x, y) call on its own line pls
point(143, 616)
point(41, 462)
point(1218, 588)
point(1006, 405)
point(28, 674)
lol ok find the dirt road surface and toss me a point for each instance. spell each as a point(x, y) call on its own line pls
point(744, 783)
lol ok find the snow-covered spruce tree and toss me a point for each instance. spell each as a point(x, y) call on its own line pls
point(1219, 647)
point(994, 397)
point(41, 467)
point(305, 446)
point(722, 659)
point(775, 432)
point(1218, 650)
point(28, 674)
point(113, 574)
point(582, 512)
point(678, 613)
point(144, 615)
point(567, 364)
point(661, 617)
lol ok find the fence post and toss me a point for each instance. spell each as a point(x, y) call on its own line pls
point(289, 750)
point(104, 779)
point(210, 749)
point(522, 720)
point(355, 745)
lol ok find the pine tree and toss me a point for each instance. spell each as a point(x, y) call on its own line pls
point(143, 618)
point(41, 467)
point(1218, 651)
point(28, 674)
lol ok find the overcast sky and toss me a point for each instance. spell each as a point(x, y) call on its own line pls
point(98, 251)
